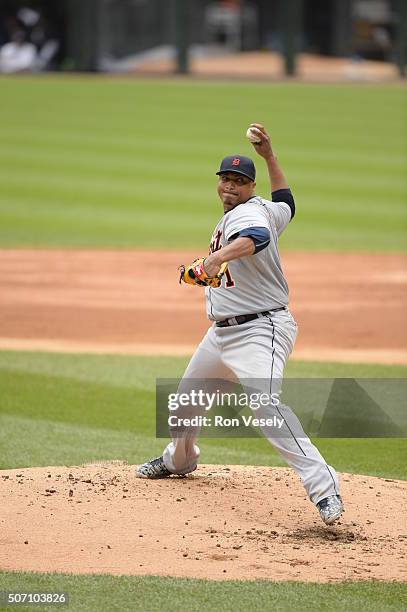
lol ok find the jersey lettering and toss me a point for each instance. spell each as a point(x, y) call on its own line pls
point(215, 246)
point(229, 280)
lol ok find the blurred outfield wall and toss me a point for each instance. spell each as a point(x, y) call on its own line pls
point(94, 34)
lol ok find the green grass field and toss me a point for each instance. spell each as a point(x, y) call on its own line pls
point(150, 594)
point(102, 162)
point(71, 409)
point(109, 162)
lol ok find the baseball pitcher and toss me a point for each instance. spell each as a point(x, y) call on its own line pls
point(253, 332)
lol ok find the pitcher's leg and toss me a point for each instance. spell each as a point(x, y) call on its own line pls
point(182, 453)
point(319, 479)
point(260, 360)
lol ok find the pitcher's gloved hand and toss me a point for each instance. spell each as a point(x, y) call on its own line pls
point(195, 274)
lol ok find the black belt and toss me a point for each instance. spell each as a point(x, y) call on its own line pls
point(240, 319)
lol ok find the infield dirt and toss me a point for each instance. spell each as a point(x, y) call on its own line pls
point(349, 307)
point(219, 523)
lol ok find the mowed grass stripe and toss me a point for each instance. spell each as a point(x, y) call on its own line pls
point(96, 186)
point(16, 136)
point(125, 371)
point(57, 170)
point(169, 97)
point(70, 218)
point(112, 397)
point(72, 225)
point(150, 146)
point(152, 593)
point(36, 441)
point(69, 401)
point(111, 218)
point(359, 127)
point(93, 188)
point(119, 144)
point(141, 371)
point(51, 177)
point(121, 162)
point(28, 442)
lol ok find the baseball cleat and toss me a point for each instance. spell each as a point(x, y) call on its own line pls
point(153, 469)
point(330, 509)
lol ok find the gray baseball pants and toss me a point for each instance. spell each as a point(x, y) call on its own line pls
point(255, 351)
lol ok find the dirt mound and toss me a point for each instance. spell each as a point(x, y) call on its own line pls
point(220, 523)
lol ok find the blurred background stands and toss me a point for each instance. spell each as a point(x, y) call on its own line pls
point(122, 35)
point(31, 36)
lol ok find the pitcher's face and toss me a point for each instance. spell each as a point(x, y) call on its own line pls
point(234, 189)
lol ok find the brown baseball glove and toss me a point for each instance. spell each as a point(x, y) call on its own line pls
point(195, 274)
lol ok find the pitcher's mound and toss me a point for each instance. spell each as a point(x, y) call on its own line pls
point(236, 522)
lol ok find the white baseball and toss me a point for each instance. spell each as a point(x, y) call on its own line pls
point(253, 136)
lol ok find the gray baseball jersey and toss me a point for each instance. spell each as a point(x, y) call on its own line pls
point(239, 294)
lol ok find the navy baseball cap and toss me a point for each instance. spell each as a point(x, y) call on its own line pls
point(239, 164)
